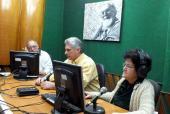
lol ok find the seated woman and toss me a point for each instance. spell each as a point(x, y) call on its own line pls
point(133, 92)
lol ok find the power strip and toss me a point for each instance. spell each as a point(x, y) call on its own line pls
point(26, 91)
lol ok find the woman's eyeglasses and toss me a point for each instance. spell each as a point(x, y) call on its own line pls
point(128, 65)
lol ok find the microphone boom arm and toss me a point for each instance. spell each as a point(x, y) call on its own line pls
point(94, 100)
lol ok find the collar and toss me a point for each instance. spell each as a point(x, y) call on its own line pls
point(78, 59)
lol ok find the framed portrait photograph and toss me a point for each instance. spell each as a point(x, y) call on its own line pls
point(102, 20)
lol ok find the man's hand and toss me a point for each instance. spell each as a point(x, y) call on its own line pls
point(42, 73)
point(87, 96)
point(47, 85)
point(38, 81)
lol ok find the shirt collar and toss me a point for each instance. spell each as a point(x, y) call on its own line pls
point(78, 59)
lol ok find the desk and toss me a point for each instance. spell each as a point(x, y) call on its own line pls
point(43, 107)
point(109, 108)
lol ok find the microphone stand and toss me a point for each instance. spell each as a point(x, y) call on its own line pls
point(94, 101)
point(94, 109)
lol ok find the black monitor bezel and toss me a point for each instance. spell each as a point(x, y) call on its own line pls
point(13, 64)
point(78, 78)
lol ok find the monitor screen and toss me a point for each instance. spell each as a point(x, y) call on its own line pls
point(24, 64)
point(69, 88)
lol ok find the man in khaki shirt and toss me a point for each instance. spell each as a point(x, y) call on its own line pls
point(75, 55)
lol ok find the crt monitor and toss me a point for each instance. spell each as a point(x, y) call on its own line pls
point(24, 64)
point(69, 88)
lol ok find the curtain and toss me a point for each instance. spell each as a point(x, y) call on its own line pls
point(20, 21)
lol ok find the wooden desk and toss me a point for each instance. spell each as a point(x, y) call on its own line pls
point(109, 108)
point(42, 107)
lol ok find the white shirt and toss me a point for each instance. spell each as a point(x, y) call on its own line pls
point(45, 63)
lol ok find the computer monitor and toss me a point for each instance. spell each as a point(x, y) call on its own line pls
point(69, 88)
point(24, 65)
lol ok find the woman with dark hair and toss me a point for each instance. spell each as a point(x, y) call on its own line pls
point(133, 92)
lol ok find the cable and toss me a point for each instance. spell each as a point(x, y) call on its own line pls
point(12, 107)
point(38, 103)
point(18, 107)
point(6, 103)
point(2, 83)
point(31, 112)
point(14, 82)
point(18, 86)
point(15, 96)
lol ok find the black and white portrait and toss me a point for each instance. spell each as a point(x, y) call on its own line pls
point(102, 20)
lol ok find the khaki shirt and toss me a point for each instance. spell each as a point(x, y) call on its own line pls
point(90, 76)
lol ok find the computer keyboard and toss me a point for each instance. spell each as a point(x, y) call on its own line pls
point(49, 97)
point(17, 76)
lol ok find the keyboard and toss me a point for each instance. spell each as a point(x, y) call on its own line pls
point(16, 76)
point(49, 97)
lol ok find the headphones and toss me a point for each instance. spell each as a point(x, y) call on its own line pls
point(143, 65)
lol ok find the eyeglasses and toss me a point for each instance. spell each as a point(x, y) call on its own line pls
point(68, 50)
point(128, 65)
point(33, 46)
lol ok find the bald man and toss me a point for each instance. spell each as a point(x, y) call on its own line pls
point(45, 63)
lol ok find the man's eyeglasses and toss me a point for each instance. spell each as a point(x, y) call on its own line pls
point(128, 65)
point(33, 46)
point(68, 50)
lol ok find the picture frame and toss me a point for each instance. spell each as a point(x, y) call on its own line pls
point(102, 21)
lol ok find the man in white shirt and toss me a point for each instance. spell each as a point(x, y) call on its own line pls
point(45, 63)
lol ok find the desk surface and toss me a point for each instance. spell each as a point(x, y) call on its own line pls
point(36, 103)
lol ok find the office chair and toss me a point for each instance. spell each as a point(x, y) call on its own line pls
point(157, 88)
point(163, 105)
point(111, 80)
point(101, 74)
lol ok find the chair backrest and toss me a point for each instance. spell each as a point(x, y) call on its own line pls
point(101, 74)
point(163, 105)
point(157, 88)
point(111, 80)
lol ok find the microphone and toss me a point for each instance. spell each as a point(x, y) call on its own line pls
point(94, 109)
point(102, 91)
point(46, 77)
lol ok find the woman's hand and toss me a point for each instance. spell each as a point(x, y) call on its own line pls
point(87, 95)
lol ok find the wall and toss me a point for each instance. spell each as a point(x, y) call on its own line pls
point(145, 24)
point(53, 29)
point(166, 78)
